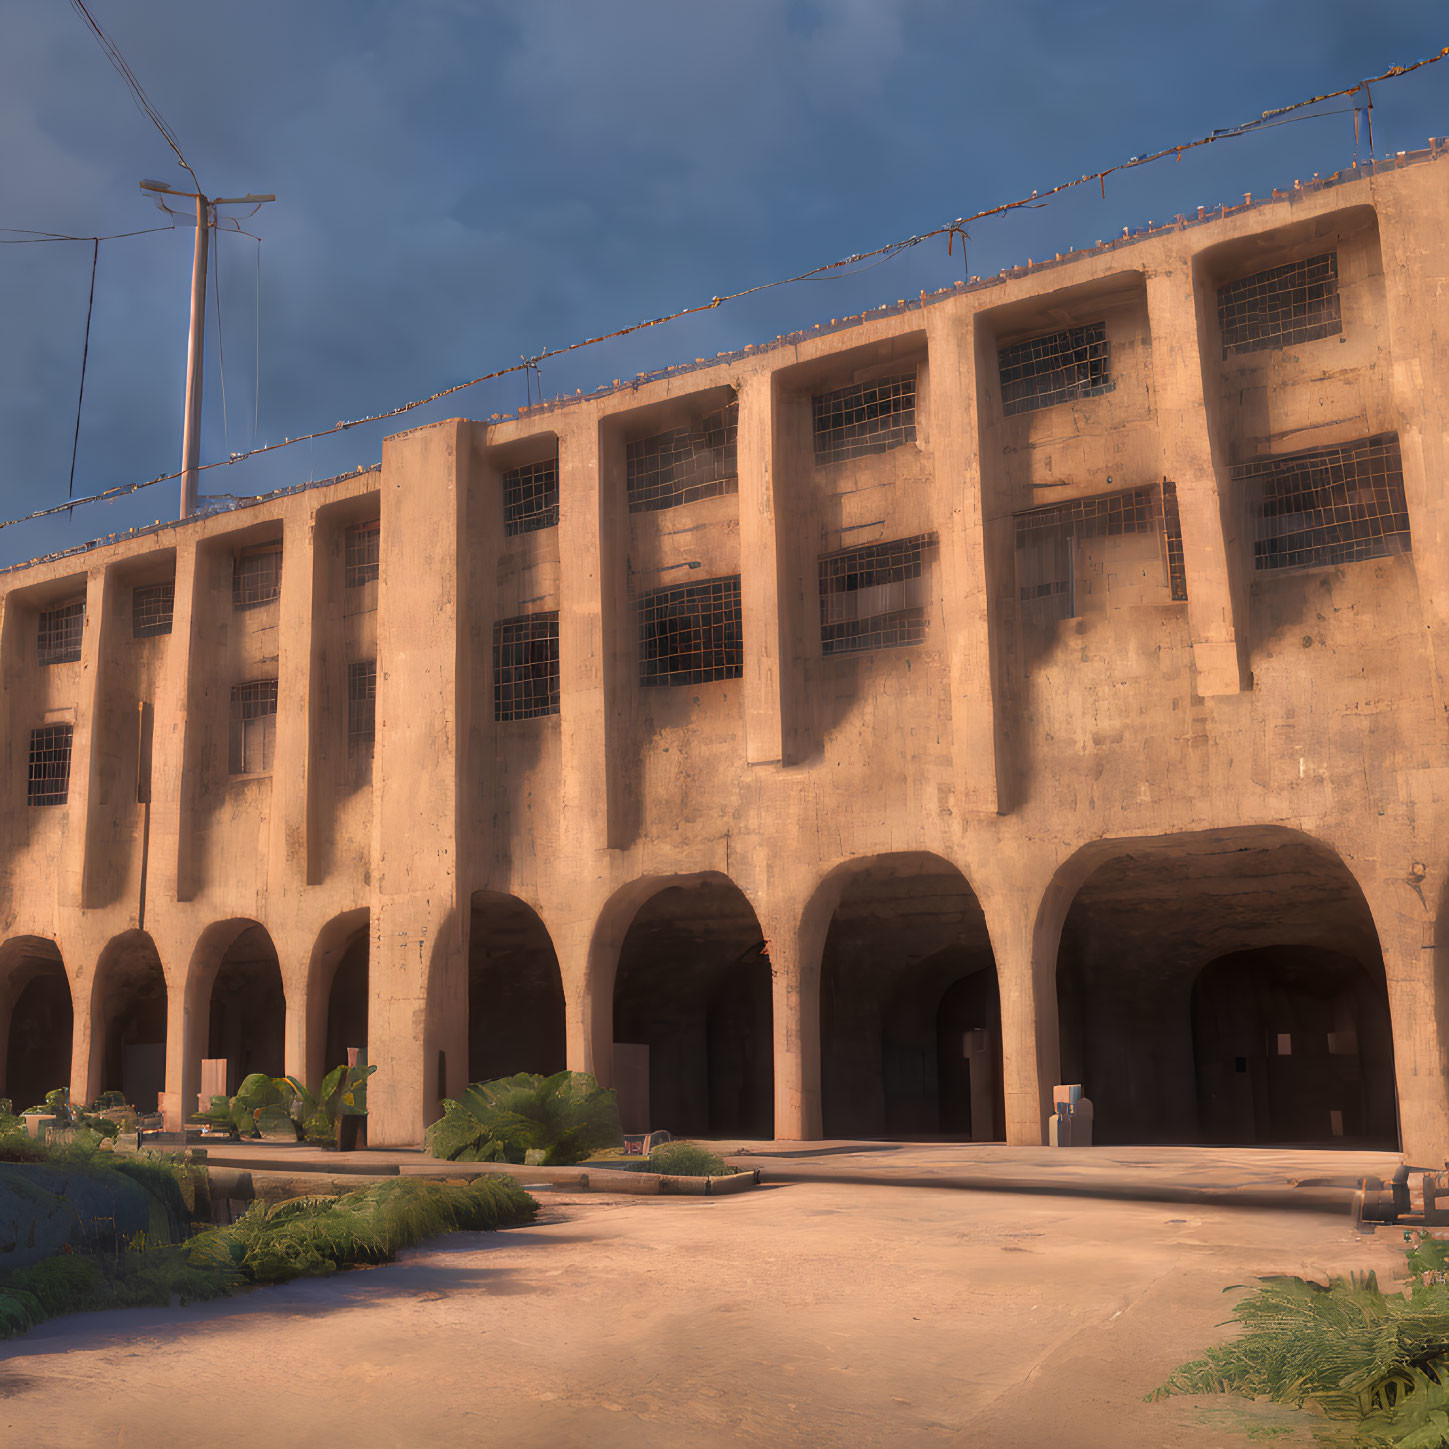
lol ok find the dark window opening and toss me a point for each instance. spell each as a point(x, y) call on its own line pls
point(698, 461)
point(874, 597)
point(48, 782)
point(530, 497)
point(864, 418)
point(361, 702)
point(1281, 307)
point(253, 726)
point(256, 577)
point(1055, 368)
point(525, 666)
point(151, 609)
point(360, 547)
point(1327, 506)
point(691, 634)
point(58, 640)
point(1172, 541)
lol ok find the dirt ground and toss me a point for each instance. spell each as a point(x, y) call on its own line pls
point(817, 1315)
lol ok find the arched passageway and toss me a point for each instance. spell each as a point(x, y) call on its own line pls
point(1227, 987)
point(36, 1019)
point(693, 1043)
point(247, 1008)
point(515, 991)
point(128, 1021)
point(337, 993)
point(910, 1035)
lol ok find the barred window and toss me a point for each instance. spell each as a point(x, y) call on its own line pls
point(58, 639)
point(691, 634)
point(1281, 307)
point(530, 497)
point(697, 461)
point(256, 577)
point(525, 666)
point(875, 597)
point(151, 609)
point(1046, 539)
point(360, 553)
point(1055, 368)
point(1172, 542)
point(253, 726)
point(49, 779)
point(864, 418)
point(1327, 505)
point(361, 702)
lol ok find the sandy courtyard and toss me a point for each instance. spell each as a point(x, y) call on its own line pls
point(811, 1314)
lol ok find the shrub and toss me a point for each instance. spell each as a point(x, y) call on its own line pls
point(687, 1159)
point(564, 1118)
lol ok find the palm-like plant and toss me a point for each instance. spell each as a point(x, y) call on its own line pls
point(557, 1120)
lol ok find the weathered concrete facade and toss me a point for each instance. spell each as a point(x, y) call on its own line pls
point(1127, 792)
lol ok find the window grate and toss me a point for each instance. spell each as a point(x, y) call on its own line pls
point(253, 726)
point(525, 666)
point(864, 418)
point(256, 578)
point(1327, 506)
point(48, 782)
point(1281, 307)
point(530, 497)
point(361, 702)
point(1055, 368)
point(1046, 541)
point(152, 606)
point(698, 461)
point(360, 553)
point(874, 597)
point(691, 634)
point(1172, 542)
point(58, 639)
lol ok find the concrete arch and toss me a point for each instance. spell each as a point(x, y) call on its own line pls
point(1127, 926)
point(235, 1004)
point(516, 1012)
point(679, 975)
point(128, 1021)
point(897, 951)
point(37, 1020)
point(338, 983)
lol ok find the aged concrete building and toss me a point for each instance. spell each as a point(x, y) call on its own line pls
point(1041, 680)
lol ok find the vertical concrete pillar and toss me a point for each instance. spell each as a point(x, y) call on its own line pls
point(298, 1030)
point(69, 888)
point(766, 648)
point(169, 739)
point(964, 591)
point(795, 961)
point(188, 1020)
point(87, 1039)
point(287, 825)
point(1212, 557)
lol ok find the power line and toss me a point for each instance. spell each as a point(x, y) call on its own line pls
point(27, 238)
point(950, 229)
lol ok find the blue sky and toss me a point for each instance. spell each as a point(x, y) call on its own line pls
point(461, 182)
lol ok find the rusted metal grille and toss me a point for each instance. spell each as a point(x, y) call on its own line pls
point(253, 726)
point(361, 702)
point(874, 597)
point(256, 577)
point(360, 553)
point(58, 638)
point(1054, 368)
point(1327, 506)
point(530, 497)
point(1172, 542)
point(1046, 538)
point(525, 666)
point(691, 634)
point(1281, 307)
point(48, 782)
point(698, 461)
point(151, 609)
point(864, 418)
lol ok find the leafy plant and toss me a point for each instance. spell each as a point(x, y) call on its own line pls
point(343, 1094)
point(555, 1121)
point(687, 1159)
point(262, 1106)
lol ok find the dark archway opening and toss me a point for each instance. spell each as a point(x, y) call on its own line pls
point(131, 1002)
point(910, 1008)
point(694, 1046)
point(38, 1040)
point(1182, 963)
point(248, 1012)
point(515, 992)
point(347, 1002)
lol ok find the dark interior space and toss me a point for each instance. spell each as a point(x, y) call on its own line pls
point(248, 1009)
point(38, 1042)
point(131, 1014)
point(347, 1003)
point(515, 992)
